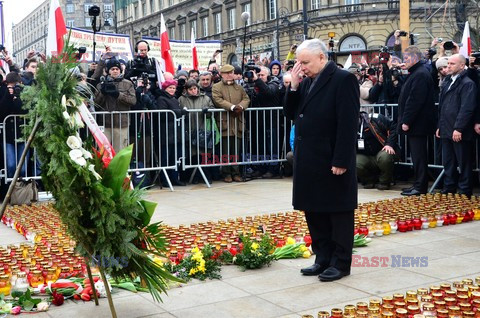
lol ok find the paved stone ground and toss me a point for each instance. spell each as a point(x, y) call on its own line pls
point(279, 290)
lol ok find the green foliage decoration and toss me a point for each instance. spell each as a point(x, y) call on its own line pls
point(105, 217)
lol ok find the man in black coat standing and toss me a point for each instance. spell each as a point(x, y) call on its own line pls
point(324, 107)
point(417, 116)
point(455, 127)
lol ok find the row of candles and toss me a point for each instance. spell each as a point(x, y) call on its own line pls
point(460, 299)
point(49, 254)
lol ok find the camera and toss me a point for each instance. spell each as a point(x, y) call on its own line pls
point(384, 55)
point(448, 45)
point(402, 33)
point(181, 82)
point(17, 90)
point(250, 67)
point(108, 85)
point(397, 72)
point(81, 50)
point(476, 55)
point(439, 40)
point(94, 11)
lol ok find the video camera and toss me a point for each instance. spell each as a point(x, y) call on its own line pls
point(384, 55)
point(108, 85)
point(250, 67)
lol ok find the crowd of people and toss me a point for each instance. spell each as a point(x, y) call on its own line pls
point(413, 79)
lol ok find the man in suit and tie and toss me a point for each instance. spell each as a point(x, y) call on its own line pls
point(457, 105)
point(324, 107)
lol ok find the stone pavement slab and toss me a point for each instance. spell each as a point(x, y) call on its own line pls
point(280, 290)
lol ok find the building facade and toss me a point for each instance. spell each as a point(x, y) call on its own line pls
point(359, 27)
point(31, 33)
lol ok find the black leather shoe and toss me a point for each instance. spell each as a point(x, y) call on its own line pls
point(331, 274)
point(446, 191)
point(413, 192)
point(408, 189)
point(313, 270)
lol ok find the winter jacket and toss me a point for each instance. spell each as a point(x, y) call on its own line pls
point(167, 121)
point(125, 100)
point(11, 106)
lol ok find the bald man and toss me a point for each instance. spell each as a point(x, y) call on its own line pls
point(457, 105)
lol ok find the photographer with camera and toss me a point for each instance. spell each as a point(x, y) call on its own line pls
point(142, 63)
point(10, 65)
point(365, 79)
point(263, 125)
point(232, 97)
point(115, 93)
point(390, 80)
point(11, 104)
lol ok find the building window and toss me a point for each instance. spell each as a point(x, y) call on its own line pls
point(70, 8)
point(88, 22)
point(231, 19)
point(87, 6)
point(171, 32)
point(247, 7)
point(205, 26)
point(218, 23)
point(144, 9)
point(135, 12)
point(170, 3)
point(108, 7)
point(194, 28)
point(70, 23)
point(351, 2)
point(182, 31)
point(272, 9)
point(315, 4)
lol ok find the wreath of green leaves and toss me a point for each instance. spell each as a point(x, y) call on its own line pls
point(106, 219)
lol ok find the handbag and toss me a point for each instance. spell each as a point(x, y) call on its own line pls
point(210, 135)
point(24, 192)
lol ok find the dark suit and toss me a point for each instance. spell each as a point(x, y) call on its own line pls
point(326, 119)
point(416, 109)
point(457, 109)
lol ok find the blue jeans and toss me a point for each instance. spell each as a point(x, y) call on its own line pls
point(13, 158)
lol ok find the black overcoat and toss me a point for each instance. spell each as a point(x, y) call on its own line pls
point(326, 122)
point(416, 106)
point(458, 103)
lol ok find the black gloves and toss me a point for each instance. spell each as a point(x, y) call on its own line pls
point(114, 94)
point(205, 110)
point(184, 112)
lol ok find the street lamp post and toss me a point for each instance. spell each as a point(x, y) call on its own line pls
point(107, 15)
point(281, 14)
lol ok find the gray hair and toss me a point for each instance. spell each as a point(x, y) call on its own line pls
point(314, 46)
point(264, 68)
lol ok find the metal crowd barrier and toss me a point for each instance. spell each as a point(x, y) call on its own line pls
point(166, 142)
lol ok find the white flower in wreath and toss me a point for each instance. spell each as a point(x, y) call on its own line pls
point(77, 156)
point(74, 142)
point(78, 120)
point(71, 102)
point(86, 154)
point(95, 174)
point(66, 115)
point(64, 102)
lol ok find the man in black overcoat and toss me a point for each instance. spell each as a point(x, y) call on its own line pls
point(417, 116)
point(324, 107)
point(455, 127)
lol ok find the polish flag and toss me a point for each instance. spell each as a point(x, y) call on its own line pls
point(194, 52)
point(165, 47)
point(466, 48)
point(56, 29)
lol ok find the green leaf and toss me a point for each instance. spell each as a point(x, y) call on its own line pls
point(126, 285)
point(148, 210)
point(117, 171)
point(28, 305)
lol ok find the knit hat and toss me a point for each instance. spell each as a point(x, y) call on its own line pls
point(112, 63)
point(182, 73)
point(441, 62)
point(168, 83)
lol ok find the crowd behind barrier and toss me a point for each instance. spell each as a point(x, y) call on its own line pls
point(198, 143)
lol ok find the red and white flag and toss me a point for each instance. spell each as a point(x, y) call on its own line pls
point(194, 52)
point(466, 48)
point(165, 47)
point(56, 29)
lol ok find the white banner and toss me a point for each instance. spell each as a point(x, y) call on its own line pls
point(119, 43)
point(182, 52)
